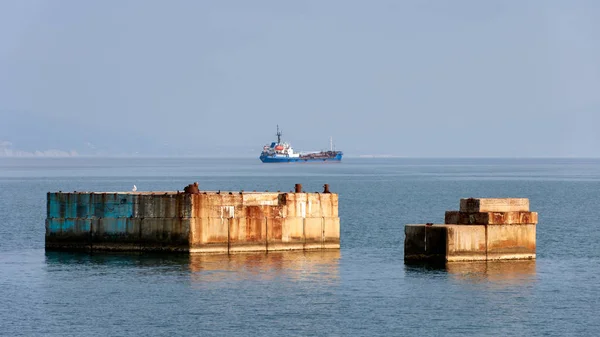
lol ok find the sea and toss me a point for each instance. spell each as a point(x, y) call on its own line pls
point(363, 289)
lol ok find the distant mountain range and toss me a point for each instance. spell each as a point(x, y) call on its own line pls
point(25, 134)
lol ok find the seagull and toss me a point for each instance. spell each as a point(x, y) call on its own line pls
point(134, 188)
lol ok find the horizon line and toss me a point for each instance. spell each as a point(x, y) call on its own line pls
point(366, 157)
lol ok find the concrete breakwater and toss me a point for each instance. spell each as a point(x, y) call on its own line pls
point(482, 230)
point(193, 221)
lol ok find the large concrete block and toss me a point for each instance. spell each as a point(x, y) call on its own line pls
point(112, 205)
point(213, 230)
point(221, 205)
point(313, 233)
point(292, 234)
point(490, 218)
point(168, 234)
point(206, 222)
point(293, 230)
point(247, 234)
point(116, 233)
point(294, 205)
point(473, 205)
point(314, 207)
point(70, 205)
point(309, 205)
point(157, 205)
point(331, 233)
point(70, 233)
point(274, 230)
point(209, 235)
point(260, 199)
point(329, 204)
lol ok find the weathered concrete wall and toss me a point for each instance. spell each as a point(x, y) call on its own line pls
point(466, 243)
point(256, 221)
point(118, 221)
point(483, 230)
point(450, 243)
point(494, 205)
point(208, 222)
point(425, 243)
point(490, 218)
point(509, 242)
point(444, 243)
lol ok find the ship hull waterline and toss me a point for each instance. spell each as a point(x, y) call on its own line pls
point(267, 159)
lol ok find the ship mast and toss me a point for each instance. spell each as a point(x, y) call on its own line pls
point(278, 135)
point(330, 143)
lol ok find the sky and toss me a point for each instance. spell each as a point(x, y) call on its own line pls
point(215, 78)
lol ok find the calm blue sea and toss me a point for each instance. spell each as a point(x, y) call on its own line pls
point(362, 290)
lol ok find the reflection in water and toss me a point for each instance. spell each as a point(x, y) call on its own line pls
point(298, 266)
point(506, 272)
point(120, 259)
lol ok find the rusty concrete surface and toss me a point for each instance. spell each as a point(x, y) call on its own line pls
point(510, 242)
point(195, 221)
point(474, 205)
point(490, 218)
point(455, 243)
point(480, 231)
point(263, 221)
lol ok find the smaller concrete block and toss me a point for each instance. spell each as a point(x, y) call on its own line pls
point(466, 243)
point(444, 243)
point(490, 218)
point(511, 242)
point(425, 243)
point(473, 205)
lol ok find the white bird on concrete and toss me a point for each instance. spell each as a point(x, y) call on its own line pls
point(134, 188)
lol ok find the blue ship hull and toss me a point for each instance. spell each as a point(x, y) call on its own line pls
point(283, 159)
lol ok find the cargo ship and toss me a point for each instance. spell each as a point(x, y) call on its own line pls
point(282, 152)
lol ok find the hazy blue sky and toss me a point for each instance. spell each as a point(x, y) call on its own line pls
point(409, 78)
